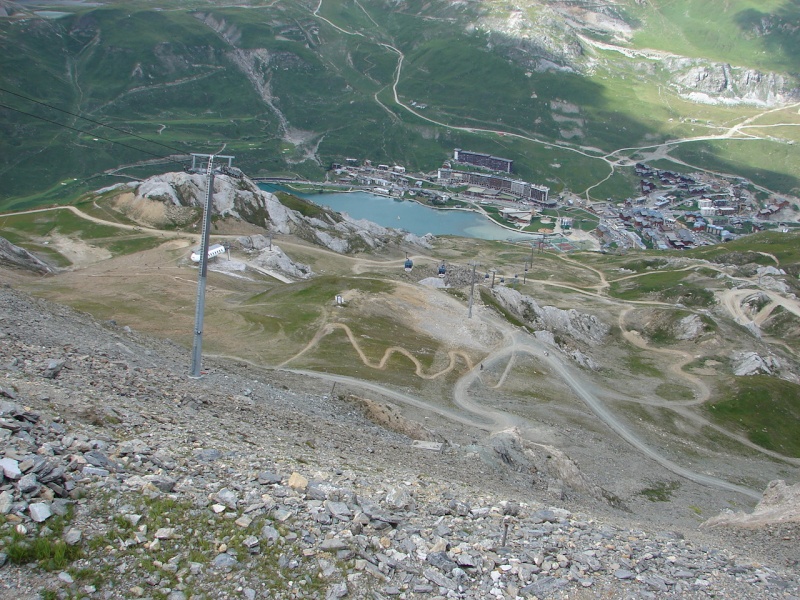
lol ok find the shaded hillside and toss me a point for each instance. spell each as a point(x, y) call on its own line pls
point(292, 87)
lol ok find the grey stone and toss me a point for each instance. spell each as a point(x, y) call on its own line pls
point(97, 458)
point(95, 471)
point(544, 516)
point(73, 536)
point(10, 468)
point(66, 577)
point(399, 498)
point(655, 582)
point(335, 591)
point(250, 542)
point(333, 544)
point(165, 533)
point(162, 482)
point(224, 561)
point(441, 561)
point(458, 508)
point(55, 474)
point(624, 574)
point(270, 534)
point(60, 506)
point(227, 497)
point(423, 588)
point(338, 510)
point(40, 511)
point(208, 455)
point(9, 426)
point(440, 580)
point(268, 478)
point(6, 500)
point(281, 515)
point(543, 586)
point(466, 560)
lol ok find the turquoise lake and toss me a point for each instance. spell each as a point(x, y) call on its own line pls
point(410, 216)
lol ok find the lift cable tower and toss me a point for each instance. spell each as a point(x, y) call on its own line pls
point(197, 348)
point(471, 290)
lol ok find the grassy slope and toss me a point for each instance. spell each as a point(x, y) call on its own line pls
point(724, 31)
point(167, 76)
point(767, 409)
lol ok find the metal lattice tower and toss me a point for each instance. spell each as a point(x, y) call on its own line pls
point(197, 347)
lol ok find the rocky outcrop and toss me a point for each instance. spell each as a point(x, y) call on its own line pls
point(562, 37)
point(570, 324)
point(271, 258)
point(19, 258)
point(689, 327)
point(750, 363)
point(715, 83)
point(541, 464)
point(240, 198)
point(779, 504)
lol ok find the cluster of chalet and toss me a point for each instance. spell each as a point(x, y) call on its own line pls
point(382, 179)
point(665, 232)
point(650, 178)
point(770, 210)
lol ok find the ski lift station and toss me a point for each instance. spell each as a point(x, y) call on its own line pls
point(213, 251)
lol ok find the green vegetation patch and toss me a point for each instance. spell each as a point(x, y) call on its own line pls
point(668, 286)
point(675, 391)
point(304, 207)
point(47, 550)
point(783, 325)
point(765, 408)
point(661, 491)
point(194, 535)
point(489, 300)
point(644, 264)
point(638, 364)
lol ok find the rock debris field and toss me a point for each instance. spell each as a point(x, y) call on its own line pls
point(123, 478)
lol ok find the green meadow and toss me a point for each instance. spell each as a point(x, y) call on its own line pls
point(288, 92)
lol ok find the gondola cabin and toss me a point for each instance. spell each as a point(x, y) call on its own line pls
point(442, 271)
point(409, 264)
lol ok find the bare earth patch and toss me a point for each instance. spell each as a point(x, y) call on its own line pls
point(78, 252)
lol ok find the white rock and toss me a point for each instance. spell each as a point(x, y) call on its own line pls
point(40, 511)
point(10, 468)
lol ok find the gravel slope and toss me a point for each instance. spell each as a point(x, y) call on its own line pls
point(256, 484)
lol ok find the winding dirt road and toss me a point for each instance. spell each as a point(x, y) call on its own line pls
point(474, 414)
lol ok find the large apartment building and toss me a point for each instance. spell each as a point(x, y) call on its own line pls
point(523, 189)
point(495, 163)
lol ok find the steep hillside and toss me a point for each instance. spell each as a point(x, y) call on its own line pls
point(291, 87)
point(124, 478)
